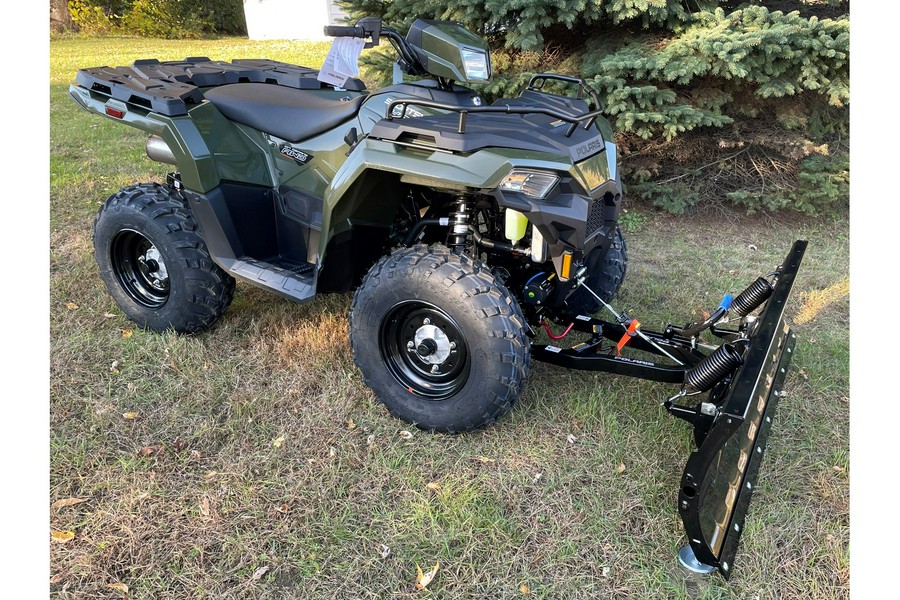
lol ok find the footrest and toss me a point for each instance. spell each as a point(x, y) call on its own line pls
point(293, 281)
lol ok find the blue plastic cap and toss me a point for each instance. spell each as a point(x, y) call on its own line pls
point(726, 301)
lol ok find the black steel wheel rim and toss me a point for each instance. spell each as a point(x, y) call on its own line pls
point(139, 268)
point(414, 338)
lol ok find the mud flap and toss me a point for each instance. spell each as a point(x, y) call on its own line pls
point(721, 474)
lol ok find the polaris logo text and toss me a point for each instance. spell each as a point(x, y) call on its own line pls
point(592, 147)
point(301, 157)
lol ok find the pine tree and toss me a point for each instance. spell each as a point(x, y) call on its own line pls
point(758, 93)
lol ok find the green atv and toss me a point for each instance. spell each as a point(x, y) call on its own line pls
point(462, 226)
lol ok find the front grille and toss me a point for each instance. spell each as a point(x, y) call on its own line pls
point(595, 217)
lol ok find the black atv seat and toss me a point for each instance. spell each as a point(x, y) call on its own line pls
point(288, 113)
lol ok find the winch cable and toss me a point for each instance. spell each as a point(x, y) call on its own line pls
point(579, 282)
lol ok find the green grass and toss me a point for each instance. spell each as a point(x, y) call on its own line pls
point(516, 503)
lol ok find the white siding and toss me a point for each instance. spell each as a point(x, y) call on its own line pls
point(290, 19)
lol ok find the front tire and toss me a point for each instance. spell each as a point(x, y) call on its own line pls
point(605, 277)
point(439, 339)
point(155, 263)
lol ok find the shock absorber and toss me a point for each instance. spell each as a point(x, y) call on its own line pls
point(750, 299)
point(459, 225)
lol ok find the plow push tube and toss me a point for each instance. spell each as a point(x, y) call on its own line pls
point(721, 473)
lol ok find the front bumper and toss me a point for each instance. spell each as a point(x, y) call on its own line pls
point(570, 220)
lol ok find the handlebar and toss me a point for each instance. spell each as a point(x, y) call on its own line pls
point(344, 31)
point(368, 27)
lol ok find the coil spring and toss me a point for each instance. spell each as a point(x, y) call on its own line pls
point(713, 369)
point(748, 300)
point(459, 225)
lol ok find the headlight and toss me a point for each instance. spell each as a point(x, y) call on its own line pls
point(534, 184)
point(475, 63)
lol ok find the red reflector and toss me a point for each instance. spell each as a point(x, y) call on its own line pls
point(115, 112)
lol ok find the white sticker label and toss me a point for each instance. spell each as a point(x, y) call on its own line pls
point(552, 349)
point(342, 61)
point(582, 318)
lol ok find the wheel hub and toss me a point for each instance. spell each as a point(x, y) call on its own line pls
point(140, 268)
point(432, 344)
point(155, 267)
point(424, 348)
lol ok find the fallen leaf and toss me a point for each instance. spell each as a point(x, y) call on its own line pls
point(57, 578)
point(433, 486)
point(370, 440)
point(71, 305)
point(351, 424)
point(210, 475)
point(108, 315)
point(178, 445)
point(257, 574)
point(67, 502)
point(620, 468)
point(278, 442)
point(150, 450)
point(196, 454)
point(127, 333)
point(332, 452)
point(204, 506)
point(525, 589)
point(423, 579)
point(62, 536)
point(406, 435)
point(829, 537)
point(130, 416)
point(284, 508)
point(839, 468)
point(119, 587)
point(571, 438)
point(385, 551)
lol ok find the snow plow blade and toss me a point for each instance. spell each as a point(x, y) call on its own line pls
point(721, 474)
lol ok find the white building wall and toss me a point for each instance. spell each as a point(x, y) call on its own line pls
point(290, 19)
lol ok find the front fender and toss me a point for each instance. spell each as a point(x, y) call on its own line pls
point(480, 171)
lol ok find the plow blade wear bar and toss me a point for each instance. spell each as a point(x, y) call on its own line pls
point(722, 472)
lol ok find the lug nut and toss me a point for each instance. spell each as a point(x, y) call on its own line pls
point(435, 368)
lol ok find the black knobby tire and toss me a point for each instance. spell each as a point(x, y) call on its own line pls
point(155, 263)
point(605, 277)
point(459, 304)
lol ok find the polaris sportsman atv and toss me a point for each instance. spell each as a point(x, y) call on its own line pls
point(462, 227)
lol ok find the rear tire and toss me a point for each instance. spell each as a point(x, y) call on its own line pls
point(155, 263)
point(439, 339)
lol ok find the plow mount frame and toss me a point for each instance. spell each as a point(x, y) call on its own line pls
point(730, 428)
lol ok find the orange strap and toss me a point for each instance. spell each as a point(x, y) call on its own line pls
point(629, 333)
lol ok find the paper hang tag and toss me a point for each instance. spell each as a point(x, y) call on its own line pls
point(397, 73)
point(342, 61)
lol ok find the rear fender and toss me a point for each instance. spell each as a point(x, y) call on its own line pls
point(208, 148)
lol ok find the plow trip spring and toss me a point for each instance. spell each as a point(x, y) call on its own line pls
point(743, 379)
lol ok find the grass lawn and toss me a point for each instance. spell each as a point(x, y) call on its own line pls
point(258, 465)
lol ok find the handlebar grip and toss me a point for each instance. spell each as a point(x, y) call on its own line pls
point(344, 31)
